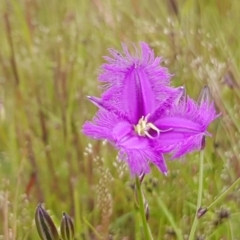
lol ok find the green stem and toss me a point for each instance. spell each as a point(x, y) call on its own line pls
point(98, 235)
point(169, 217)
point(224, 193)
point(199, 200)
point(146, 229)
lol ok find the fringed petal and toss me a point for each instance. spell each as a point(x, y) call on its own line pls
point(166, 104)
point(138, 160)
point(190, 144)
point(101, 126)
point(136, 84)
point(187, 123)
point(108, 107)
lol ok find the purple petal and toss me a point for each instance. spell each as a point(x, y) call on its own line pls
point(135, 84)
point(179, 124)
point(193, 143)
point(138, 153)
point(102, 125)
point(173, 98)
point(158, 160)
point(137, 94)
point(187, 124)
point(202, 115)
point(135, 151)
point(122, 132)
point(106, 106)
point(136, 160)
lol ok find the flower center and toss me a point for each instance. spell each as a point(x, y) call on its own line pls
point(144, 126)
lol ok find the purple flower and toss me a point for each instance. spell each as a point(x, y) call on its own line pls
point(142, 116)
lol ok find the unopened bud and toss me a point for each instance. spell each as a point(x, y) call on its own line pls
point(204, 96)
point(147, 213)
point(45, 226)
point(201, 211)
point(182, 95)
point(67, 228)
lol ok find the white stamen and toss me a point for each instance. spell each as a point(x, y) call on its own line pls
point(144, 126)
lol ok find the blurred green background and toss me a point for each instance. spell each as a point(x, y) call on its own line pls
point(50, 53)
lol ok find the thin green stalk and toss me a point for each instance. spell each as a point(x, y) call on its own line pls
point(146, 229)
point(78, 217)
point(199, 200)
point(230, 230)
point(224, 193)
point(93, 229)
point(169, 217)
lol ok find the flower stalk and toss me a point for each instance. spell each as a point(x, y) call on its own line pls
point(146, 229)
point(169, 216)
point(199, 200)
point(224, 194)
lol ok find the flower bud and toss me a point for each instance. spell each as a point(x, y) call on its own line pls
point(201, 211)
point(205, 95)
point(182, 95)
point(147, 212)
point(45, 226)
point(67, 228)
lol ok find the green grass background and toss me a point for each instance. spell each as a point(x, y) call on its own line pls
point(50, 53)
